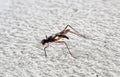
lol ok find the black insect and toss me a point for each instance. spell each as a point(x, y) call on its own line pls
point(56, 37)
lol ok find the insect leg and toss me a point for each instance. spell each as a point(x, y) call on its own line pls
point(76, 32)
point(66, 46)
point(65, 28)
point(80, 35)
point(71, 28)
point(45, 50)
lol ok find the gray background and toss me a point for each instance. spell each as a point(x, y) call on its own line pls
point(24, 23)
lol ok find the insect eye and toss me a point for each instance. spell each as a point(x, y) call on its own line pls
point(43, 41)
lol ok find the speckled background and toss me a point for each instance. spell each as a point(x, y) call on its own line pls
point(24, 23)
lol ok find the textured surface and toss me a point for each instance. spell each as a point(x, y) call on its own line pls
point(26, 22)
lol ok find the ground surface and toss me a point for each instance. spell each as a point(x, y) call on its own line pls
point(24, 23)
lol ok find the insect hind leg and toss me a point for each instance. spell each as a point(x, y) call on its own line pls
point(71, 28)
point(66, 27)
point(68, 30)
point(75, 32)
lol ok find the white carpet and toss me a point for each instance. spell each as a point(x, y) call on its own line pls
point(24, 23)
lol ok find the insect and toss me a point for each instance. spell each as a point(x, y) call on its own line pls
point(56, 38)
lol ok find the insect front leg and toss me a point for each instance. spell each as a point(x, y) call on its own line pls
point(45, 50)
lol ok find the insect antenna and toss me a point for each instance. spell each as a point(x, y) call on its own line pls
point(46, 36)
